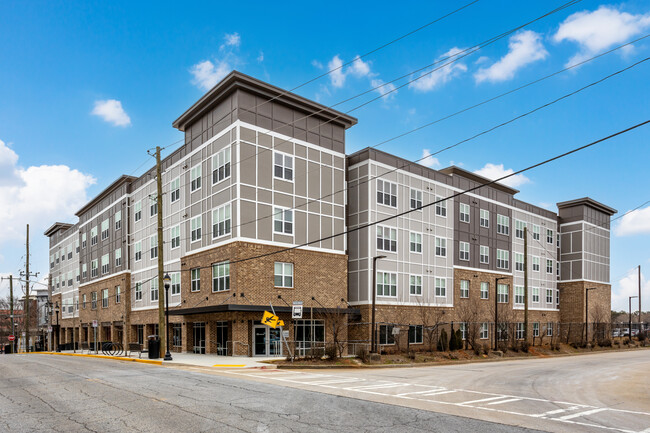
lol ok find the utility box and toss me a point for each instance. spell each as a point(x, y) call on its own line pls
point(154, 347)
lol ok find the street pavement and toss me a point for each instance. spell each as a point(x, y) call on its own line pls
point(49, 393)
point(597, 392)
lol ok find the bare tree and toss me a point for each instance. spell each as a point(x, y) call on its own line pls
point(431, 318)
point(469, 312)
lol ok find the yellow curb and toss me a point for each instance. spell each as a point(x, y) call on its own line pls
point(229, 365)
point(118, 358)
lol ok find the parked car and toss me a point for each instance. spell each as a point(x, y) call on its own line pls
point(616, 333)
point(625, 332)
point(635, 332)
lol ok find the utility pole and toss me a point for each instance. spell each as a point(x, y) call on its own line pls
point(161, 272)
point(11, 307)
point(639, 299)
point(526, 283)
point(27, 294)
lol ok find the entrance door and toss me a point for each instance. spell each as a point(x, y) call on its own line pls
point(266, 341)
point(199, 337)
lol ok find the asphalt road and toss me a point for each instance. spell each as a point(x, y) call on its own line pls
point(597, 392)
point(49, 393)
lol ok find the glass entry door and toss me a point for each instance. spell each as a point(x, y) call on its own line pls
point(266, 341)
point(199, 337)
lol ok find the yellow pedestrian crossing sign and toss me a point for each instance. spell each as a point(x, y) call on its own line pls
point(271, 320)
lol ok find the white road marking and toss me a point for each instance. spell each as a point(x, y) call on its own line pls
point(556, 411)
point(435, 389)
point(482, 400)
point(585, 413)
point(510, 400)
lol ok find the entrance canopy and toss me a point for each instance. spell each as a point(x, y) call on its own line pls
point(256, 308)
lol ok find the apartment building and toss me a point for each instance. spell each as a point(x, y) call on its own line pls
point(256, 206)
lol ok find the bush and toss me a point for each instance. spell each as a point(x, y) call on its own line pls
point(642, 336)
point(605, 342)
point(363, 354)
point(331, 352)
point(443, 342)
point(524, 346)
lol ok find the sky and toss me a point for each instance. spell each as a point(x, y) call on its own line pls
point(87, 87)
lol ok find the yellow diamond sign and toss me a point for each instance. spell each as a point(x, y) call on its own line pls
point(271, 320)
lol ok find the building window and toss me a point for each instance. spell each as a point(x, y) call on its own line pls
point(176, 283)
point(441, 287)
point(105, 264)
point(84, 300)
point(283, 275)
point(416, 198)
point(221, 165)
point(195, 178)
point(415, 242)
point(386, 193)
point(70, 278)
point(464, 213)
point(520, 331)
point(105, 229)
point(519, 262)
point(153, 292)
point(386, 336)
point(415, 284)
point(536, 295)
point(77, 245)
point(153, 243)
point(503, 225)
point(283, 166)
point(549, 266)
point(93, 236)
point(535, 329)
point(77, 272)
point(535, 232)
point(464, 288)
point(93, 268)
point(118, 257)
point(307, 331)
point(535, 264)
point(485, 218)
point(195, 224)
point(549, 296)
point(485, 290)
point(175, 235)
point(557, 269)
point(195, 279)
point(416, 334)
point(283, 221)
point(558, 240)
point(485, 331)
point(386, 239)
point(104, 298)
point(177, 335)
point(138, 251)
point(118, 220)
point(83, 242)
point(549, 236)
point(93, 300)
point(386, 284)
point(84, 271)
point(557, 298)
point(549, 329)
point(137, 211)
point(485, 254)
point(69, 252)
point(502, 291)
point(221, 277)
point(118, 294)
point(57, 257)
point(463, 250)
point(519, 295)
point(519, 229)
point(463, 330)
point(153, 207)
point(441, 247)
point(503, 259)
point(441, 207)
point(138, 291)
point(175, 189)
point(139, 330)
point(221, 221)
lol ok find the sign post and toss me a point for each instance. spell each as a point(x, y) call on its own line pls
point(279, 323)
point(11, 337)
point(95, 332)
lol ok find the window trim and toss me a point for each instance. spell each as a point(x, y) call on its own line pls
point(411, 243)
point(283, 166)
point(198, 231)
point(389, 194)
point(219, 279)
point(461, 250)
point(462, 206)
point(283, 275)
point(227, 164)
point(413, 288)
point(380, 281)
point(196, 183)
point(279, 215)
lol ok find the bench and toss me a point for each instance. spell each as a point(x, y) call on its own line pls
point(136, 347)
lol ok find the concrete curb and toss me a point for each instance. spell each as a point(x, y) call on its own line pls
point(118, 358)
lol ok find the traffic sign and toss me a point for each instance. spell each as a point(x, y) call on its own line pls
point(94, 323)
point(270, 319)
point(12, 337)
point(296, 311)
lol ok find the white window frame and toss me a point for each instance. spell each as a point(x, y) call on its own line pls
point(93, 268)
point(463, 251)
point(485, 254)
point(549, 296)
point(153, 290)
point(415, 242)
point(153, 207)
point(221, 165)
point(503, 293)
point(283, 274)
point(536, 232)
point(137, 251)
point(175, 190)
point(464, 288)
point(519, 262)
point(549, 266)
point(519, 229)
point(137, 211)
point(503, 259)
point(549, 236)
point(388, 283)
point(138, 291)
point(283, 166)
point(104, 298)
point(105, 228)
point(195, 279)
point(221, 221)
point(535, 295)
point(176, 283)
point(387, 198)
point(416, 199)
point(485, 290)
point(484, 332)
point(441, 247)
point(520, 296)
point(220, 277)
point(535, 329)
point(536, 263)
point(503, 225)
point(175, 237)
point(118, 257)
point(485, 218)
point(441, 207)
point(118, 220)
point(463, 212)
point(386, 236)
point(153, 246)
point(283, 220)
point(106, 264)
point(441, 288)
point(196, 226)
point(195, 177)
point(415, 285)
point(93, 236)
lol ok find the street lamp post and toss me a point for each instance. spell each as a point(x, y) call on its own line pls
point(373, 343)
point(630, 317)
point(496, 310)
point(166, 281)
point(587, 312)
point(58, 332)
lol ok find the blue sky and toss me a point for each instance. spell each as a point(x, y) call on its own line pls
point(86, 88)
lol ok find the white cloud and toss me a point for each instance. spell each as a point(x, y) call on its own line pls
point(47, 193)
point(598, 30)
point(385, 90)
point(359, 68)
point(524, 48)
point(428, 160)
point(337, 76)
point(260, 58)
point(8, 173)
point(112, 112)
point(207, 74)
point(316, 64)
point(231, 40)
point(438, 77)
point(635, 223)
point(496, 171)
point(629, 286)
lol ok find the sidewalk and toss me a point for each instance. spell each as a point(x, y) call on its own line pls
point(192, 359)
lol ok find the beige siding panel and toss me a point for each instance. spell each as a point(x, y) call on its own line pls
point(264, 223)
point(265, 169)
point(300, 227)
point(248, 168)
point(314, 179)
point(326, 231)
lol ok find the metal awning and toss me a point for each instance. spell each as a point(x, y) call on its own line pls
point(256, 308)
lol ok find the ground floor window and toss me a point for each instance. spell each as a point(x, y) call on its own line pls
point(139, 332)
point(463, 330)
point(177, 335)
point(536, 329)
point(415, 334)
point(520, 331)
point(307, 331)
point(484, 331)
point(502, 331)
point(222, 338)
point(386, 334)
point(549, 329)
